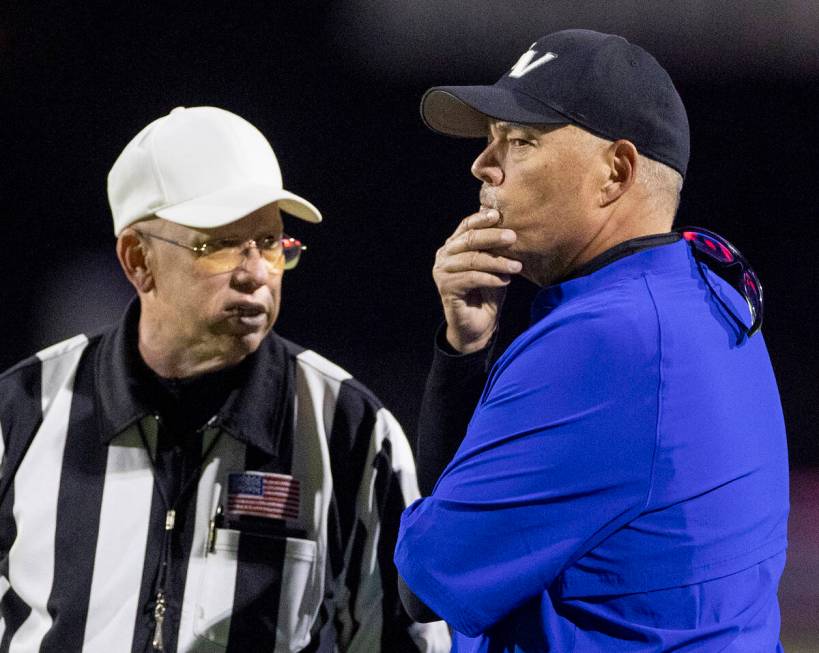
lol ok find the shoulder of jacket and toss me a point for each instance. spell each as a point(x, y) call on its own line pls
point(314, 363)
point(64, 348)
point(317, 364)
point(53, 352)
point(320, 368)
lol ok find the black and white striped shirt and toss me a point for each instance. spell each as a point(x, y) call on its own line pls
point(82, 518)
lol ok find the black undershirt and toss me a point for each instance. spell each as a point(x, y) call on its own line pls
point(184, 406)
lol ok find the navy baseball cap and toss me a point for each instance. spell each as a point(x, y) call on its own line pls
point(600, 82)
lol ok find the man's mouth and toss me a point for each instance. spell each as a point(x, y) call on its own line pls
point(489, 197)
point(249, 311)
point(249, 316)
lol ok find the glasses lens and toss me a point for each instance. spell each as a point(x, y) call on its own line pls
point(221, 260)
point(274, 258)
point(753, 295)
point(735, 268)
point(283, 254)
point(292, 249)
point(709, 245)
point(227, 259)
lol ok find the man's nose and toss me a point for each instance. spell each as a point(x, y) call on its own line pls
point(487, 167)
point(254, 270)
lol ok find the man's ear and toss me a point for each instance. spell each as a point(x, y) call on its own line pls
point(135, 262)
point(621, 157)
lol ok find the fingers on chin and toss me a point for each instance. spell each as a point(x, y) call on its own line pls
point(468, 281)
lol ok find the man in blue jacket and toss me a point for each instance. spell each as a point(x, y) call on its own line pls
point(622, 482)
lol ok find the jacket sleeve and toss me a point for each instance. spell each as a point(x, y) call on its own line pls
point(452, 391)
point(4, 584)
point(388, 484)
point(2, 449)
point(20, 416)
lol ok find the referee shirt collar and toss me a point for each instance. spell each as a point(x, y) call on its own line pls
point(254, 413)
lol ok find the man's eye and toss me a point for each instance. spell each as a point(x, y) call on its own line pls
point(213, 246)
point(518, 142)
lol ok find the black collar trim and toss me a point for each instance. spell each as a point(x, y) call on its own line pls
point(626, 248)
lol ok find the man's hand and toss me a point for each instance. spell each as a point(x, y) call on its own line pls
point(472, 281)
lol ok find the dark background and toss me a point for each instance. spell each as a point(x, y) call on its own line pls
point(335, 86)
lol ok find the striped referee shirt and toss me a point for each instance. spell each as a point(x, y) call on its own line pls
point(90, 544)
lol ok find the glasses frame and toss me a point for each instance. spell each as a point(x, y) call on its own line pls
point(287, 242)
point(729, 256)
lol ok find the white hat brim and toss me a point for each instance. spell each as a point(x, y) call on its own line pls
point(230, 204)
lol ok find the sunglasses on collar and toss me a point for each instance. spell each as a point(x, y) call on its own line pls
point(727, 261)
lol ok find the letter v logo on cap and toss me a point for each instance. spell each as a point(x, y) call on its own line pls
point(525, 63)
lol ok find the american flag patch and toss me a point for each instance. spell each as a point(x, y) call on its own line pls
point(262, 494)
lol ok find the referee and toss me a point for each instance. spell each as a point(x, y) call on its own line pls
point(187, 480)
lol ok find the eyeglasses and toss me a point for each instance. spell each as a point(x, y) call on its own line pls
point(732, 266)
point(226, 254)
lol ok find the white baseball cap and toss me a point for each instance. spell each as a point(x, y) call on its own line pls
point(199, 167)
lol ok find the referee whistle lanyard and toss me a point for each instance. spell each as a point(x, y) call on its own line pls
point(160, 602)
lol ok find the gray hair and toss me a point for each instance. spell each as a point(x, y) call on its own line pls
point(663, 183)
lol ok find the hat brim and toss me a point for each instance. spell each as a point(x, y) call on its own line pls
point(230, 204)
point(464, 110)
